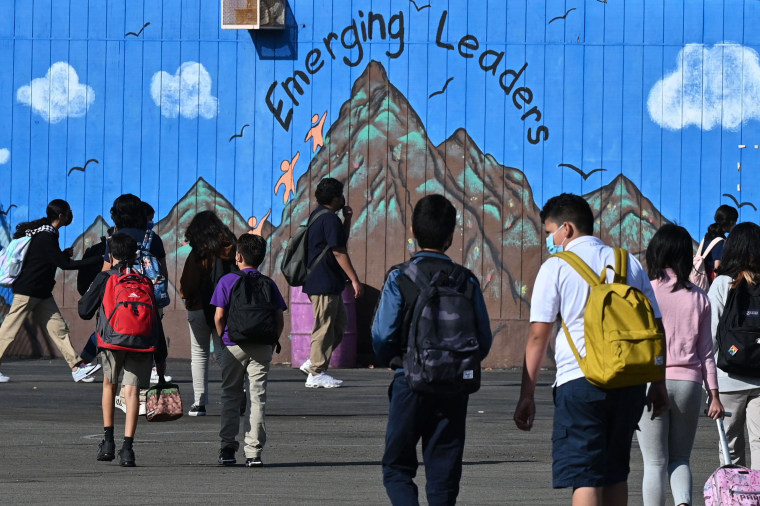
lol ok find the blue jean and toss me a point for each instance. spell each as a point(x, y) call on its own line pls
point(440, 423)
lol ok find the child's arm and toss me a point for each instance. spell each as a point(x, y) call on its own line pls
point(220, 320)
point(93, 297)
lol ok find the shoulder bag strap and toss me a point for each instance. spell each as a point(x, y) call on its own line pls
point(621, 265)
point(710, 246)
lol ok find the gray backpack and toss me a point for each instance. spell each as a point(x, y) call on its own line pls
point(443, 355)
point(294, 265)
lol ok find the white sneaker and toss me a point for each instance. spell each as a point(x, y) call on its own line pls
point(83, 371)
point(119, 403)
point(154, 377)
point(4, 378)
point(306, 366)
point(87, 379)
point(322, 380)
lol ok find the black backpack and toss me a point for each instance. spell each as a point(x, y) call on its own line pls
point(442, 355)
point(738, 333)
point(294, 265)
point(251, 316)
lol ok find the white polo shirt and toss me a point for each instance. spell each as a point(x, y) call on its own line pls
point(560, 290)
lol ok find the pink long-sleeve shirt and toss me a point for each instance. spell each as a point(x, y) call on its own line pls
point(686, 317)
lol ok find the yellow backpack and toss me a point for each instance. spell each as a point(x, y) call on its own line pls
point(624, 345)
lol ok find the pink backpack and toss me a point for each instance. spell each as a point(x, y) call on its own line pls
point(731, 484)
point(699, 276)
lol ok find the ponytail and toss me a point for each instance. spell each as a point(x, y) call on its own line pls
point(54, 209)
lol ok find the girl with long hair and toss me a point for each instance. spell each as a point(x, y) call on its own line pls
point(33, 288)
point(740, 394)
point(211, 256)
point(667, 440)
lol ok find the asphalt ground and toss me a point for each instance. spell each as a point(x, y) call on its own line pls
point(324, 446)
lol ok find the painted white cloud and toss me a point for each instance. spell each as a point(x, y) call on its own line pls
point(187, 92)
point(5, 155)
point(709, 87)
point(58, 95)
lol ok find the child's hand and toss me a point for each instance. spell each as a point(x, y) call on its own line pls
point(69, 252)
point(715, 410)
point(348, 213)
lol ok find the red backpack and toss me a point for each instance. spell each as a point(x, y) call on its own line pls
point(127, 319)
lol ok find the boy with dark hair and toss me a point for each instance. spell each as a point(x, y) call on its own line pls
point(327, 280)
point(251, 356)
point(120, 352)
point(438, 419)
point(593, 426)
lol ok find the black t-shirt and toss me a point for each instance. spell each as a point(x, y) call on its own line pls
point(44, 256)
point(327, 277)
point(715, 254)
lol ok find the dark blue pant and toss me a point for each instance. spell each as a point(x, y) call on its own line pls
point(440, 423)
point(90, 350)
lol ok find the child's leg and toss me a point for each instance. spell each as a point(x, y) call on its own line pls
point(90, 350)
point(200, 339)
point(47, 314)
point(131, 393)
point(109, 393)
point(442, 449)
point(257, 370)
point(232, 394)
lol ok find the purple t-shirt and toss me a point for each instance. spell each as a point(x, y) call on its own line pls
point(221, 297)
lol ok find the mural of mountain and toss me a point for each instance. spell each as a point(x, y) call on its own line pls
point(379, 148)
point(624, 217)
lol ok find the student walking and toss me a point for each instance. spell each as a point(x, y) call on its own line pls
point(667, 440)
point(130, 337)
point(327, 280)
point(593, 426)
point(212, 255)
point(33, 288)
point(249, 318)
point(724, 220)
point(438, 415)
point(738, 275)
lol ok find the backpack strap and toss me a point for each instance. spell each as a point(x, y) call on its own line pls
point(621, 266)
point(699, 248)
point(308, 226)
point(710, 246)
point(580, 267)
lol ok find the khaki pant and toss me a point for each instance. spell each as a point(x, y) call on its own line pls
point(251, 360)
point(45, 313)
point(330, 321)
point(745, 409)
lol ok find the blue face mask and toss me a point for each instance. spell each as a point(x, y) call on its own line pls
point(550, 246)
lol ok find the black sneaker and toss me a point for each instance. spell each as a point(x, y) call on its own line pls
point(127, 457)
point(227, 456)
point(254, 462)
point(197, 410)
point(106, 450)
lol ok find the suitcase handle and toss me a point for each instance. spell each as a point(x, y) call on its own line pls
point(724, 441)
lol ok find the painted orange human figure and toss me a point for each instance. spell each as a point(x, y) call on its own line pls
point(287, 179)
point(316, 131)
point(256, 226)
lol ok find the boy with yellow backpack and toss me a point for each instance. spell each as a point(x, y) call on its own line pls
point(609, 347)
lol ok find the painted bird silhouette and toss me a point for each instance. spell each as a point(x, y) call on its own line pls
point(579, 171)
point(552, 20)
point(442, 90)
point(82, 169)
point(138, 33)
point(240, 134)
point(5, 213)
point(419, 8)
point(737, 202)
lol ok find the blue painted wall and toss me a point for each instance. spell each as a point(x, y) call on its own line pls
point(662, 93)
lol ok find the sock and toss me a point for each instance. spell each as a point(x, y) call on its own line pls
point(108, 433)
point(128, 442)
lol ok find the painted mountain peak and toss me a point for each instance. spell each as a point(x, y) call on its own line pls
point(379, 148)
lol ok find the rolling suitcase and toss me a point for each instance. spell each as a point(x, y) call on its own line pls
point(731, 484)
